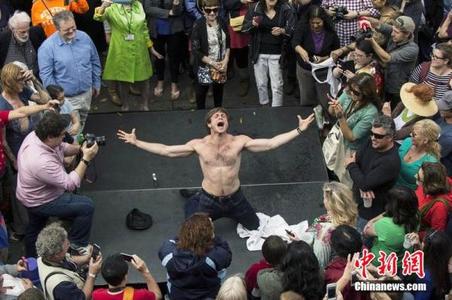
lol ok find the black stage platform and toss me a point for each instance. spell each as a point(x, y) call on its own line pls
point(285, 181)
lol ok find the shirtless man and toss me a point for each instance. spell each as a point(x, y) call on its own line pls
point(219, 155)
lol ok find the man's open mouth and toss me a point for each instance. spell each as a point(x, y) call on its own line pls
point(220, 124)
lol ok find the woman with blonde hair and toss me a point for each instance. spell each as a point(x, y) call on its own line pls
point(196, 260)
point(421, 147)
point(233, 288)
point(341, 209)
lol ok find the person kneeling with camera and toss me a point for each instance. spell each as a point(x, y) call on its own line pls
point(44, 187)
point(114, 272)
point(62, 276)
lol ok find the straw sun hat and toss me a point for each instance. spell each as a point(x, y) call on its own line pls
point(418, 98)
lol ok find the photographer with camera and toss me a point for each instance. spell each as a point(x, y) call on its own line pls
point(346, 13)
point(64, 276)
point(400, 54)
point(115, 270)
point(363, 60)
point(44, 186)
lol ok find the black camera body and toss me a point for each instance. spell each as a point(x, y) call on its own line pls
point(361, 35)
point(339, 13)
point(91, 138)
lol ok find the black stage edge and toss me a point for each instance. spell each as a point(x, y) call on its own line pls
point(286, 181)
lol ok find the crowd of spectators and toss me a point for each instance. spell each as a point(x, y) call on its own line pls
point(379, 71)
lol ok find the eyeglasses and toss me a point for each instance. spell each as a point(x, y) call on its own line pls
point(354, 92)
point(433, 56)
point(211, 10)
point(377, 135)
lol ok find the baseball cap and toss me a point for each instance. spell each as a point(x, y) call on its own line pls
point(405, 23)
point(445, 103)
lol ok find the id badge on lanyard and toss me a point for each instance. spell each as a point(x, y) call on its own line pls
point(129, 37)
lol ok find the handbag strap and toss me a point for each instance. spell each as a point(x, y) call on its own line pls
point(429, 205)
point(220, 42)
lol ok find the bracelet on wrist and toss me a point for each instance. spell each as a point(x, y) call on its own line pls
point(92, 275)
point(86, 162)
point(299, 130)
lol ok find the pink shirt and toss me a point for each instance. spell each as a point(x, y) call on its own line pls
point(41, 176)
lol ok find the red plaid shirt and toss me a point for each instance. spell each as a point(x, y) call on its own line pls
point(347, 28)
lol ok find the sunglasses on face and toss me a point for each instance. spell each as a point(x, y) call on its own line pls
point(210, 10)
point(377, 136)
point(355, 92)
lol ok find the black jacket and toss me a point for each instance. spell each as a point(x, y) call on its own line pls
point(303, 37)
point(200, 43)
point(286, 20)
point(37, 36)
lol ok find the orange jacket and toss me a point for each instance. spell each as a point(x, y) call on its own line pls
point(43, 10)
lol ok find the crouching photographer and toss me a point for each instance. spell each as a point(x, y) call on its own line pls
point(61, 275)
point(44, 187)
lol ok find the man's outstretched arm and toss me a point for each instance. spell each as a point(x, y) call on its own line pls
point(258, 145)
point(156, 148)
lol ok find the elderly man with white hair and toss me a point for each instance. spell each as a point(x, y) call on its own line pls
point(20, 42)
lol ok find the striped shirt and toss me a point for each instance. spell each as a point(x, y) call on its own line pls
point(347, 28)
point(439, 83)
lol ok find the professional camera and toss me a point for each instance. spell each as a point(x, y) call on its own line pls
point(339, 13)
point(91, 138)
point(361, 35)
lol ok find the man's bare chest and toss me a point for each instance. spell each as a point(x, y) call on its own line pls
point(223, 155)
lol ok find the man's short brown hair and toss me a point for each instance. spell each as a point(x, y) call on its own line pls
point(213, 111)
point(209, 3)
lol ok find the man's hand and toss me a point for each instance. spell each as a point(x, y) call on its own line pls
point(95, 265)
point(21, 265)
point(139, 264)
point(129, 138)
point(351, 15)
point(96, 92)
point(303, 124)
point(89, 153)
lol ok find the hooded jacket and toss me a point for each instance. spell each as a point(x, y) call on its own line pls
point(191, 276)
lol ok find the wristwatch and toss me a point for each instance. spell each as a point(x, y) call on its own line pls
point(86, 162)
